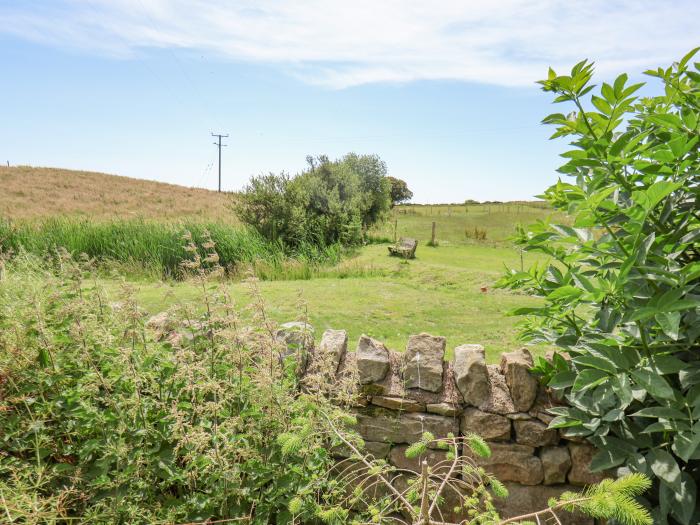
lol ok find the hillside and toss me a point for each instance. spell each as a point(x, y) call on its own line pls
point(27, 192)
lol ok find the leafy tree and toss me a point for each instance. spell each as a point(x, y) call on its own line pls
point(621, 286)
point(399, 191)
point(374, 185)
point(331, 202)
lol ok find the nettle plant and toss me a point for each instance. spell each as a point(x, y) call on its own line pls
point(107, 419)
point(621, 285)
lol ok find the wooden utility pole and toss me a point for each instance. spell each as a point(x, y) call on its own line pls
point(219, 144)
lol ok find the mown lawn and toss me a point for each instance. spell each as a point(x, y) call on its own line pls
point(439, 292)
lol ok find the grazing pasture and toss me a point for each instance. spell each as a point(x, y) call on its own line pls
point(447, 290)
point(460, 223)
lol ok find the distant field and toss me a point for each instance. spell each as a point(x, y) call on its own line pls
point(456, 224)
point(34, 193)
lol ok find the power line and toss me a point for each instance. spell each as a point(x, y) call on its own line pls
point(219, 144)
point(188, 78)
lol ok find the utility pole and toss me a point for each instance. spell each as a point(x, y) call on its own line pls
point(219, 144)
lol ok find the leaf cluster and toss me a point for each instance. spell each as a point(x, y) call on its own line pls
point(621, 280)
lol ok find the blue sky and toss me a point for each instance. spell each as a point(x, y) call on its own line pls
point(443, 92)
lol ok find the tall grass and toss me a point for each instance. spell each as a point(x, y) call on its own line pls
point(157, 248)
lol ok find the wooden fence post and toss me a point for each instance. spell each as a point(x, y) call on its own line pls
point(432, 237)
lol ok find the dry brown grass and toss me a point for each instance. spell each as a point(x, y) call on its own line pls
point(27, 192)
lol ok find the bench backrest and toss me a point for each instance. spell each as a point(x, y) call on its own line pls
point(408, 243)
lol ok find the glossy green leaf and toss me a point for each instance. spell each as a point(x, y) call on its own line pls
point(656, 385)
point(664, 466)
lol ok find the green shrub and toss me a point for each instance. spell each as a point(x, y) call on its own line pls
point(333, 202)
point(104, 420)
point(622, 289)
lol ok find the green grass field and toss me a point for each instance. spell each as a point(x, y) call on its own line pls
point(455, 224)
point(439, 292)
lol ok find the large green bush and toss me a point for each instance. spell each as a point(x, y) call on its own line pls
point(621, 288)
point(332, 202)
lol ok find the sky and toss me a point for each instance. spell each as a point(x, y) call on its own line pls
point(443, 91)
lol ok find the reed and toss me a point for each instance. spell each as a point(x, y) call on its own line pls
point(157, 247)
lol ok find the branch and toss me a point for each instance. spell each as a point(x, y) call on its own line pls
point(369, 465)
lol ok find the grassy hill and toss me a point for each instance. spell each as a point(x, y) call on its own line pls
point(34, 193)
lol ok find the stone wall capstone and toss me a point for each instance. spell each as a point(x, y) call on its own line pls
point(404, 394)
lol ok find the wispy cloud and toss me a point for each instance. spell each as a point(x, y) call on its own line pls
point(342, 43)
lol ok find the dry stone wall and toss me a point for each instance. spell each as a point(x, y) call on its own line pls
point(407, 393)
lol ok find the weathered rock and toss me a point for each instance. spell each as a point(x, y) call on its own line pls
point(298, 337)
point(377, 449)
point(510, 462)
point(519, 416)
point(543, 402)
point(436, 460)
point(443, 409)
point(398, 403)
point(334, 346)
point(545, 417)
point(491, 427)
point(360, 401)
point(523, 500)
point(424, 362)
point(471, 374)
point(161, 324)
point(556, 463)
point(521, 383)
point(534, 433)
point(404, 428)
point(499, 400)
point(581, 455)
point(372, 360)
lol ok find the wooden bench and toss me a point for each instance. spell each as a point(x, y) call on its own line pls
point(405, 248)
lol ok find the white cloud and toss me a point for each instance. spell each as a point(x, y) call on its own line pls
point(342, 43)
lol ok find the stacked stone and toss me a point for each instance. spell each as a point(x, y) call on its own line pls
point(406, 394)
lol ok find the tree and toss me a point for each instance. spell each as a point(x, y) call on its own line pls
point(399, 191)
point(621, 284)
point(332, 202)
